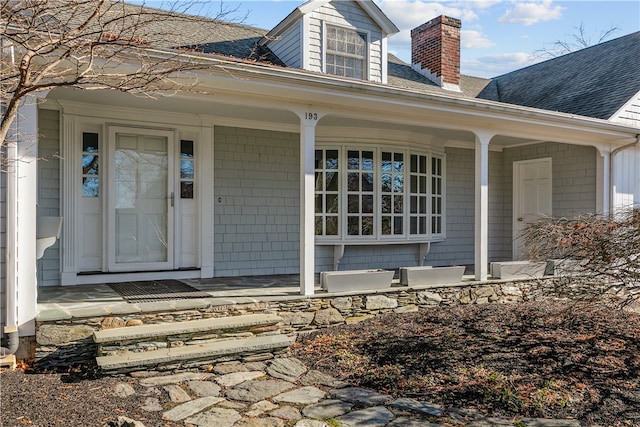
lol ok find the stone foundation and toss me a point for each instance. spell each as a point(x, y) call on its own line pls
point(68, 341)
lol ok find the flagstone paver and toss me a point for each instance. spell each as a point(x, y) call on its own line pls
point(192, 407)
point(360, 396)
point(327, 409)
point(204, 388)
point(216, 417)
point(229, 380)
point(253, 394)
point(302, 396)
point(254, 391)
point(286, 368)
point(375, 416)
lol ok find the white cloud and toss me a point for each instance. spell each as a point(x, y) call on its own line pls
point(531, 13)
point(495, 65)
point(409, 14)
point(472, 39)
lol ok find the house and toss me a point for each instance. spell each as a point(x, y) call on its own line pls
point(310, 148)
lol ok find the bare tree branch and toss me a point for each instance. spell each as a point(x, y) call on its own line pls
point(579, 39)
point(98, 44)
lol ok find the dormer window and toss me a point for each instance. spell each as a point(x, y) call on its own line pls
point(346, 52)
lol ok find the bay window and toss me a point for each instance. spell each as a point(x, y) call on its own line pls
point(379, 194)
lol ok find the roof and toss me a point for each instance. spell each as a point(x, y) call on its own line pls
point(594, 82)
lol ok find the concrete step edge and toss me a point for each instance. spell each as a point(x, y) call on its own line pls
point(193, 352)
point(132, 333)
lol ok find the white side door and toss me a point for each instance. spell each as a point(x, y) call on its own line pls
point(532, 188)
point(140, 199)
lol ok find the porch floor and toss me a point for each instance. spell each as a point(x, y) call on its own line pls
point(65, 302)
point(58, 302)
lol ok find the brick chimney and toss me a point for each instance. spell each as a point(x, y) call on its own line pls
point(435, 51)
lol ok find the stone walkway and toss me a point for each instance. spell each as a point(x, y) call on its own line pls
point(283, 392)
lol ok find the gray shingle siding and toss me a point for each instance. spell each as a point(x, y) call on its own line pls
point(257, 224)
point(288, 47)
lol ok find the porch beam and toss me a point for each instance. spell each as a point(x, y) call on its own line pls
point(481, 244)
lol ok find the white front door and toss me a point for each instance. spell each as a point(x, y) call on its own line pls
point(140, 200)
point(532, 187)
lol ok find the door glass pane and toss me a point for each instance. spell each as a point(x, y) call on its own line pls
point(140, 198)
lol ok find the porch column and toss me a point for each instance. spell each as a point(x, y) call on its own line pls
point(22, 190)
point(482, 205)
point(308, 121)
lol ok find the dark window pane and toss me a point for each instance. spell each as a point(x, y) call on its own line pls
point(367, 226)
point(397, 225)
point(423, 164)
point(367, 182)
point(423, 185)
point(354, 184)
point(332, 226)
point(413, 225)
point(318, 226)
point(414, 204)
point(386, 162)
point(186, 149)
point(386, 225)
point(186, 189)
point(318, 160)
point(332, 159)
point(353, 225)
point(353, 202)
point(319, 203)
point(423, 225)
point(398, 183)
point(367, 160)
point(353, 160)
point(414, 163)
point(332, 181)
point(332, 203)
point(398, 162)
point(423, 205)
point(90, 142)
point(386, 182)
point(367, 204)
point(319, 186)
point(398, 204)
point(386, 204)
point(413, 184)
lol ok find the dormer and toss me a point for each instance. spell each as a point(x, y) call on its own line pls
point(342, 37)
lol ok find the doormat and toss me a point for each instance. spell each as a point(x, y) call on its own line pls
point(157, 290)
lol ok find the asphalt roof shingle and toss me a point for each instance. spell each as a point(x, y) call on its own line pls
point(594, 82)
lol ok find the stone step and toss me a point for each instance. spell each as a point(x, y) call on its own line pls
point(210, 351)
point(142, 332)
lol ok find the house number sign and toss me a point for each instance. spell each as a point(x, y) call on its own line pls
point(311, 116)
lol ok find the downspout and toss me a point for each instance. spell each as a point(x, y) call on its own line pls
point(611, 158)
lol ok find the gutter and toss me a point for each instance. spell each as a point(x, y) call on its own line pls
point(611, 158)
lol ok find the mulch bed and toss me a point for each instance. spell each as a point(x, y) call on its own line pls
point(542, 359)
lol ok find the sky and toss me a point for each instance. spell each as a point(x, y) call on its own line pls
point(497, 36)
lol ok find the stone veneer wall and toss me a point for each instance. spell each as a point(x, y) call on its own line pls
point(68, 341)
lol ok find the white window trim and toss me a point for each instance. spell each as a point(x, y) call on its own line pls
point(367, 65)
point(378, 238)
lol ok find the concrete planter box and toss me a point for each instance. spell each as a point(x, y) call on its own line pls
point(355, 280)
point(430, 276)
point(518, 269)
